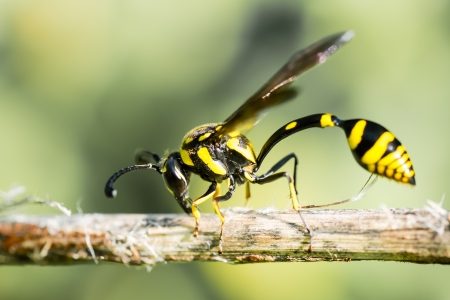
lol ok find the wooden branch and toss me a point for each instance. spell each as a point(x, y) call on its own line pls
point(411, 235)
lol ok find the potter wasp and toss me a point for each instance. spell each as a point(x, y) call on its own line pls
point(221, 152)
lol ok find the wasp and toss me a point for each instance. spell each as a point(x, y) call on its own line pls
point(220, 152)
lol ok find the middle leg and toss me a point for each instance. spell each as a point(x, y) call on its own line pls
point(216, 204)
point(281, 163)
point(272, 170)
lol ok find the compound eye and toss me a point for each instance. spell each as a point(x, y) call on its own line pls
point(176, 180)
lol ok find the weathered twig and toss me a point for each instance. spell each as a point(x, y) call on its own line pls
point(411, 235)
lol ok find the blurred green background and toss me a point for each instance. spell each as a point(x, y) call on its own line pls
point(83, 84)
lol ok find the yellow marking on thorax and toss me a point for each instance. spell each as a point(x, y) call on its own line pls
point(215, 166)
point(356, 135)
point(218, 127)
point(326, 121)
point(186, 158)
point(291, 125)
point(188, 140)
point(246, 152)
point(234, 134)
point(204, 136)
point(375, 153)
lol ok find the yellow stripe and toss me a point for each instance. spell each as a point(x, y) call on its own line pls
point(380, 169)
point(389, 172)
point(405, 180)
point(375, 153)
point(400, 161)
point(214, 165)
point(371, 168)
point(246, 152)
point(186, 158)
point(409, 173)
point(356, 135)
point(205, 136)
point(326, 121)
point(398, 176)
point(403, 168)
point(391, 157)
point(218, 127)
point(291, 125)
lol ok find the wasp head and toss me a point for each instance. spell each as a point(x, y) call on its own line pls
point(174, 173)
point(176, 177)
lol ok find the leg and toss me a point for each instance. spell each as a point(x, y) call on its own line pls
point(272, 170)
point(247, 193)
point(281, 163)
point(208, 194)
point(263, 180)
point(216, 200)
point(217, 193)
point(266, 179)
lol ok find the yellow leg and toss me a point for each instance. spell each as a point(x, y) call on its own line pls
point(195, 212)
point(296, 206)
point(217, 193)
point(216, 206)
point(247, 192)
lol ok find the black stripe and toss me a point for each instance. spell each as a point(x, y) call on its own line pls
point(372, 132)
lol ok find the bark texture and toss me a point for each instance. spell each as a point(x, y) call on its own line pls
point(407, 235)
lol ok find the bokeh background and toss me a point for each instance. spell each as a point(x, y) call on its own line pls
point(83, 84)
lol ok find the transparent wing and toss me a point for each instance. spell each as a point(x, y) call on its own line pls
point(274, 92)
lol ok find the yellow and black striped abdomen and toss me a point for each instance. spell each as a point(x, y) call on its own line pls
point(378, 150)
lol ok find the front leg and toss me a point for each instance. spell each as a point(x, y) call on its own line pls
point(195, 212)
